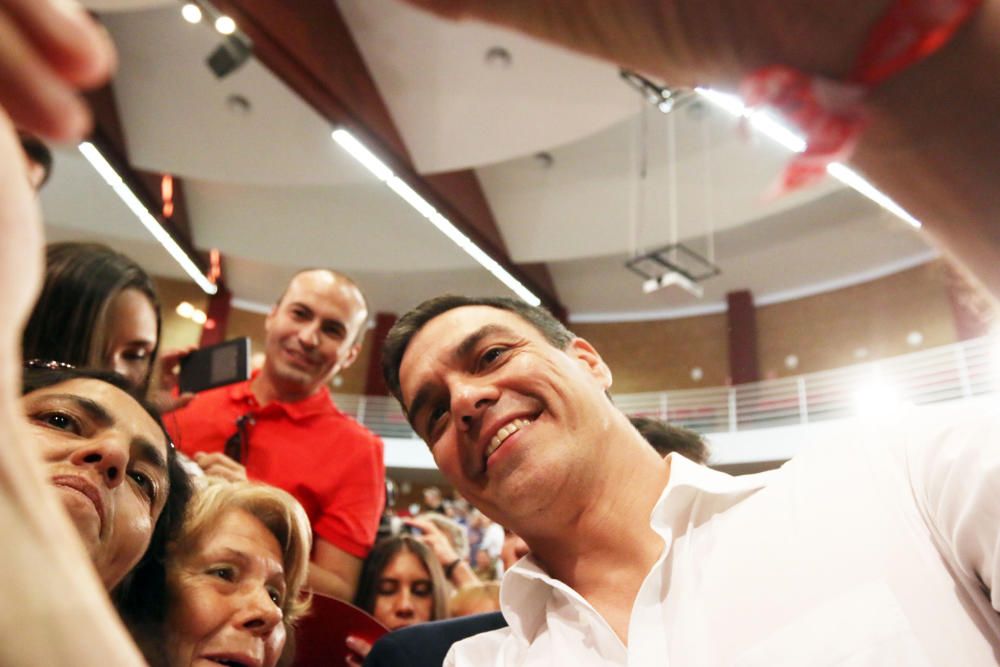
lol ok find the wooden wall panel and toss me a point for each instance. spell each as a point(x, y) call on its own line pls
point(656, 355)
point(825, 330)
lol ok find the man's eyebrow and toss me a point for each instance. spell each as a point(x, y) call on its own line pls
point(462, 351)
point(94, 410)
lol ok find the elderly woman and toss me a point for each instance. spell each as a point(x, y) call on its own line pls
point(108, 457)
point(234, 577)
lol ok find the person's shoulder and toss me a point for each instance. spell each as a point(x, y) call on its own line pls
point(428, 643)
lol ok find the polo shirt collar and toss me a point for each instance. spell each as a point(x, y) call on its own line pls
point(527, 588)
point(317, 404)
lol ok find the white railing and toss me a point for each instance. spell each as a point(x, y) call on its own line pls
point(947, 373)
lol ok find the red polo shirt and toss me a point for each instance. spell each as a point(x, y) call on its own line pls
point(329, 462)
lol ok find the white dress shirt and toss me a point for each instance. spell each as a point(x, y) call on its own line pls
point(879, 547)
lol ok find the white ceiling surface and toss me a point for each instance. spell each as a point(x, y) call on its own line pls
point(455, 111)
point(274, 193)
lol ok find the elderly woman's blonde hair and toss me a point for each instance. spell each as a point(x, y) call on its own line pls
point(280, 513)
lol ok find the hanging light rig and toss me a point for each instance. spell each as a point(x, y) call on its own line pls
point(675, 264)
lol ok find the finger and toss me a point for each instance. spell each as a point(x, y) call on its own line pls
point(75, 46)
point(36, 99)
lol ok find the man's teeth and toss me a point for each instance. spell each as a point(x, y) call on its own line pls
point(504, 433)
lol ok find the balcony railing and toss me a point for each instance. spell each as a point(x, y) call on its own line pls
point(947, 373)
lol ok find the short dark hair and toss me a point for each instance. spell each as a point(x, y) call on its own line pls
point(69, 321)
point(38, 153)
point(667, 438)
point(408, 325)
point(138, 596)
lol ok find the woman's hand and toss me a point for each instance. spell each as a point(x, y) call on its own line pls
point(50, 49)
point(359, 650)
point(165, 396)
point(434, 539)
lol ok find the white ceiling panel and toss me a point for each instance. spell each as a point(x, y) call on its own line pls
point(456, 111)
point(175, 116)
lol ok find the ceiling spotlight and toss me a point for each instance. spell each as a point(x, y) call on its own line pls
point(229, 56)
point(673, 278)
point(224, 25)
point(499, 57)
point(191, 12)
point(672, 265)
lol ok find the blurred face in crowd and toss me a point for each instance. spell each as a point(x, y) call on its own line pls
point(226, 597)
point(404, 593)
point(313, 333)
point(513, 422)
point(131, 335)
point(106, 458)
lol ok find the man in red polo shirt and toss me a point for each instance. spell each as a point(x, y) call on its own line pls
point(281, 426)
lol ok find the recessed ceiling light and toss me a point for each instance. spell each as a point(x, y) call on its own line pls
point(224, 25)
point(191, 12)
point(238, 105)
point(914, 338)
point(499, 57)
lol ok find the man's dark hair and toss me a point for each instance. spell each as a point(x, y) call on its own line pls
point(412, 322)
point(38, 153)
point(140, 598)
point(667, 438)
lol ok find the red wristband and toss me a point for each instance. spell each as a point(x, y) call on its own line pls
point(830, 113)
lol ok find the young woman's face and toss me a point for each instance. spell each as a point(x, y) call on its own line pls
point(226, 597)
point(131, 335)
point(404, 593)
point(107, 459)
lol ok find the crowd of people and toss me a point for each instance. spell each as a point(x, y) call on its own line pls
point(143, 526)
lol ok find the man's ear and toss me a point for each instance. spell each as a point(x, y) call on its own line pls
point(585, 353)
point(351, 357)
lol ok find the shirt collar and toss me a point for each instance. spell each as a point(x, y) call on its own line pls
point(527, 588)
point(316, 404)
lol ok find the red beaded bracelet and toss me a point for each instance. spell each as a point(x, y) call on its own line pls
point(830, 113)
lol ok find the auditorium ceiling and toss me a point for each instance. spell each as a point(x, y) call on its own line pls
point(561, 167)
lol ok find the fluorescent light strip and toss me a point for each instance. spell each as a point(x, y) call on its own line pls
point(771, 127)
point(382, 172)
point(113, 179)
point(853, 179)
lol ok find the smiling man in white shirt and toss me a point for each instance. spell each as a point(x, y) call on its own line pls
point(880, 548)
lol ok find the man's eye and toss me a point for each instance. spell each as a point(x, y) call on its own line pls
point(224, 572)
point(491, 355)
point(59, 420)
point(435, 417)
point(145, 483)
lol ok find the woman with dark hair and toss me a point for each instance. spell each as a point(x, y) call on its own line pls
point(98, 309)
point(401, 584)
point(107, 454)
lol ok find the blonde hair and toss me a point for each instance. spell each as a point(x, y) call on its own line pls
point(463, 603)
point(280, 513)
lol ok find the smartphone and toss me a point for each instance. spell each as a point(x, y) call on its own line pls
point(215, 366)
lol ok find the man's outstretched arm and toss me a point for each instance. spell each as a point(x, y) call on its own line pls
point(932, 142)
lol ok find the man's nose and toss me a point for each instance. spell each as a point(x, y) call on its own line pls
point(108, 455)
point(470, 400)
point(309, 335)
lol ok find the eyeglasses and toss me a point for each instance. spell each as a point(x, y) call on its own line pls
point(235, 447)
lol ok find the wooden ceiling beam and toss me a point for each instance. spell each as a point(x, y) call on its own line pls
point(308, 45)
